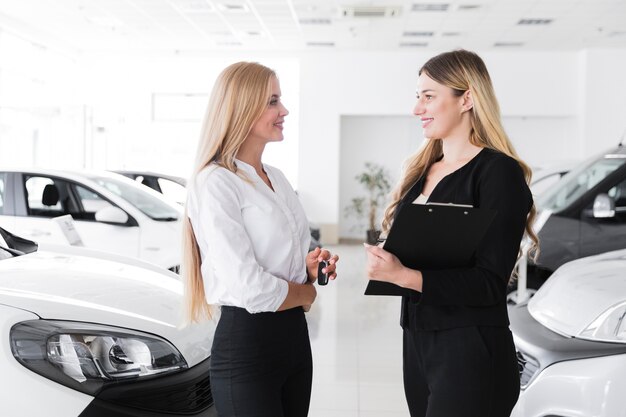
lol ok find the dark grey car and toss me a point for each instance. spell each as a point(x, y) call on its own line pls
point(588, 214)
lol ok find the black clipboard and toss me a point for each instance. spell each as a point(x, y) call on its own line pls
point(431, 237)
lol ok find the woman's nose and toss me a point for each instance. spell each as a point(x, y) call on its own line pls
point(418, 109)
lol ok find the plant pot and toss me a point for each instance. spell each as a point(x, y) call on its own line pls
point(372, 236)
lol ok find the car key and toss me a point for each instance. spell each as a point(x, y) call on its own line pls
point(322, 278)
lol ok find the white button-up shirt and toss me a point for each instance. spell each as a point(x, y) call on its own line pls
point(252, 240)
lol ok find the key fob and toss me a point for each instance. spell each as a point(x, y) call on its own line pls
point(322, 278)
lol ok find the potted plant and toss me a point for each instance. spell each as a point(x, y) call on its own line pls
point(375, 179)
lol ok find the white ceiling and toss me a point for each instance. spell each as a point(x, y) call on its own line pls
point(181, 26)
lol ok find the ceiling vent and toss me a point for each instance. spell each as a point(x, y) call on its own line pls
point(314, 21)
point(370, 11)
point(418, 34)
point(534, 21)
point(429, 7)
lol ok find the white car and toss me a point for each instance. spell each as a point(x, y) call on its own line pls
point(110, 213)
point(92, 334)
point(571, 341)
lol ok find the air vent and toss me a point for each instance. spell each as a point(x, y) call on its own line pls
point(418, 34)
point(534, 21)
point(429, 7)
point(450, 34)
point(508, 44)
point(370, 11)
point(413, 44)
point(320, 44)
point(314, 21)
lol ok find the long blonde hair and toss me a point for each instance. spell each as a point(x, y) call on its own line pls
point(239, 97)
point(462, 71)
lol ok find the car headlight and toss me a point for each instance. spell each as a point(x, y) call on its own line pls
point(87, 356)
point(610, 326)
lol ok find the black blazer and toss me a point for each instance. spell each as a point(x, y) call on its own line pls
point(475, 295)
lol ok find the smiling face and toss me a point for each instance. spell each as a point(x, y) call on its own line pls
point(269, 127)
point(439, 109)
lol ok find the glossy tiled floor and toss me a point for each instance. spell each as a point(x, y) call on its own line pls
point(357, 346)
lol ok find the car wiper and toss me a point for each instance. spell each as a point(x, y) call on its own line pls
point(166, 219)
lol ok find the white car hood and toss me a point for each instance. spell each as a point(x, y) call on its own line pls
point(61, 286)
point(580, 291)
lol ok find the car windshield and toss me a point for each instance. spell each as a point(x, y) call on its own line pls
point(577, 183)
point(148, 204)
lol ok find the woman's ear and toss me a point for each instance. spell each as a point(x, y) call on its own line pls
point(467, 103)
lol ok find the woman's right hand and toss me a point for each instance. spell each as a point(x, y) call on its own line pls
point(299, 295)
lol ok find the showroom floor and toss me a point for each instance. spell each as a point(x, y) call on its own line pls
point(357, 346)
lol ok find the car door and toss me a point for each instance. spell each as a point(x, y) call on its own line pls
point(122, 239)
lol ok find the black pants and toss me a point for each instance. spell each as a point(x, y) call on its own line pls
point(261, 364)
point(460, 372)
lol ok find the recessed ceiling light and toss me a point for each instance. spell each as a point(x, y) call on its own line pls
point(233, 7)
point(320, 44)
point(370, 11)
point(228, 43)
point(314, 21)
point(534, 21)
point(508, 44)
point(467, 7)
point(429, 7)
point(195, 6)
point(412, 44)
point(418, 34)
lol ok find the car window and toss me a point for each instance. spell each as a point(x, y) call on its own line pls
point(1, 195)
point(173, 190)
point(91, 202)
point(542, 183)
point(148, 204)
point(577, 183)
point(46, 197)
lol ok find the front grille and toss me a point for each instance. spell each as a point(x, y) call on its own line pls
point(528, 367)
point(185, 393)
point(190, 399)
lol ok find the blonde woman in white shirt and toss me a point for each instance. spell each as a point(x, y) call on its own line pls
point(245, 250)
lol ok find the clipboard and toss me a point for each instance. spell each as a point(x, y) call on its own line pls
point(431, 237)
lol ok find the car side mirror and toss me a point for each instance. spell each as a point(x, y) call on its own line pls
point(111, 214)
point(603, 207)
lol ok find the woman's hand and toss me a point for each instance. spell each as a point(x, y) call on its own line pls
point(385, 266)
point(315, 257)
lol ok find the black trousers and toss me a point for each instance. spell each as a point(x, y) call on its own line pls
point(261, 364)
point(460, 372)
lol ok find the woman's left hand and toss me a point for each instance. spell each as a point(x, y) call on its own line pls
point(383, 265)
point(315, 257)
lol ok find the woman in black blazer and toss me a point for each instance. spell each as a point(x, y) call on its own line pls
point(458, 353)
